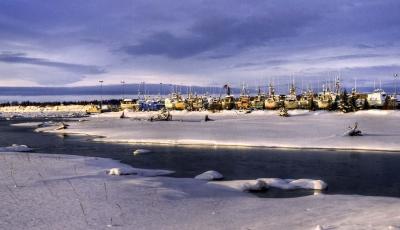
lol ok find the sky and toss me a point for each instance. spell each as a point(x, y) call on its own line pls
point(209, 42)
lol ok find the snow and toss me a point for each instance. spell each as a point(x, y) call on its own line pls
point(47, 191)
point(209, 175)
point(243, 185)
point(303, 129)
point(265, 183)
point(135, 171)
point(141, 151)
point(11, 112)
point(15, 148)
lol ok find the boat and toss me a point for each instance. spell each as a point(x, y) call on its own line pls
point(194, 103)
point(228, 102)
point(214, 104)
point(257, 102)
point(243, 101)
point(175, 102)
point(307, 100)
point(377, 98)
point(291, 101)
point(128, 104)
point(272, 101)
point(93, 109)
point(324, 100)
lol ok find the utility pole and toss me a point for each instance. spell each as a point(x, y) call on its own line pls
point(101, 94)
point(123, 89)
point(396, 76)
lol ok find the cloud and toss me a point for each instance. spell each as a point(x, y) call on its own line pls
point(223, 36)
point(22, 58)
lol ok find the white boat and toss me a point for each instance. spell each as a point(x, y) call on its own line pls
point(377, 98)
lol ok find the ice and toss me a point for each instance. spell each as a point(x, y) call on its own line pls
point(303, 129)
point(319, 227)
point(16, 148)
point(73, 192)
point(264, 183)
point(136, 171)
point(209, 175)
point(141, 151)
point(244, 185)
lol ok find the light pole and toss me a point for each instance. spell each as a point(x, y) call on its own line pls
point(123, 89)
point(396, 76)
point(101, 94)
point(395, 83)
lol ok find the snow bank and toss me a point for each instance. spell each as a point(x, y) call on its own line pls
point(16, 148)
point(244, 185)
point(319, 129)
point(264, 183)
point(138, 172)
point(209, 175)
point(141, 151)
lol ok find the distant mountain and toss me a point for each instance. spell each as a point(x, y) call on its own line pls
point(131, 89)
point(147, 89)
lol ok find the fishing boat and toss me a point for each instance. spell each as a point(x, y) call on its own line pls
point(307, 100)
point(228, 102)
point(214, 104)
point(377, 98)
point(243, 101)
point(194, 103)
point(272, 101)
point(128, 104)
point(175, 102)
point(257, 102)
point(291, 101)
point(324, 100)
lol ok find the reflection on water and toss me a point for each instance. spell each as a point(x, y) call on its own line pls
point(346, 172)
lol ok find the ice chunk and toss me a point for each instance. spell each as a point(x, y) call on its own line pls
point(138, 172)
point(140, 151)
point(257, 185)
point(115, 172)
point(309, 184)
point(319, 227)
point(264, 183)
point(244, 185)
point(209, 175)
point(15, 148)
point(288, 184)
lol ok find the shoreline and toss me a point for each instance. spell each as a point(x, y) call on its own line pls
point(303, 130)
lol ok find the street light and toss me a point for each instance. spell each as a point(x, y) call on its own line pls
point(101, 94)
point(123, 89)
point(396, 76)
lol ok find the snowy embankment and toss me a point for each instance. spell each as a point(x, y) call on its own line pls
point(43, 191)
point(303, 129)
point(43, 111)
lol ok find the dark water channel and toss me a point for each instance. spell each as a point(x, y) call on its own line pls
point(346, 172)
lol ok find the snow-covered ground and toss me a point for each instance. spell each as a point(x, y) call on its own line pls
point(41, 191)
point(43, 111)
point(303, 129)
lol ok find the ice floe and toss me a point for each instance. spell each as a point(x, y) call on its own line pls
point(209, 175)
point(141, 151)
point(16, 148)
point(265, 183)
point(139, 172)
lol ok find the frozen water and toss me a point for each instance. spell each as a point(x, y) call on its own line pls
point(209, 175)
